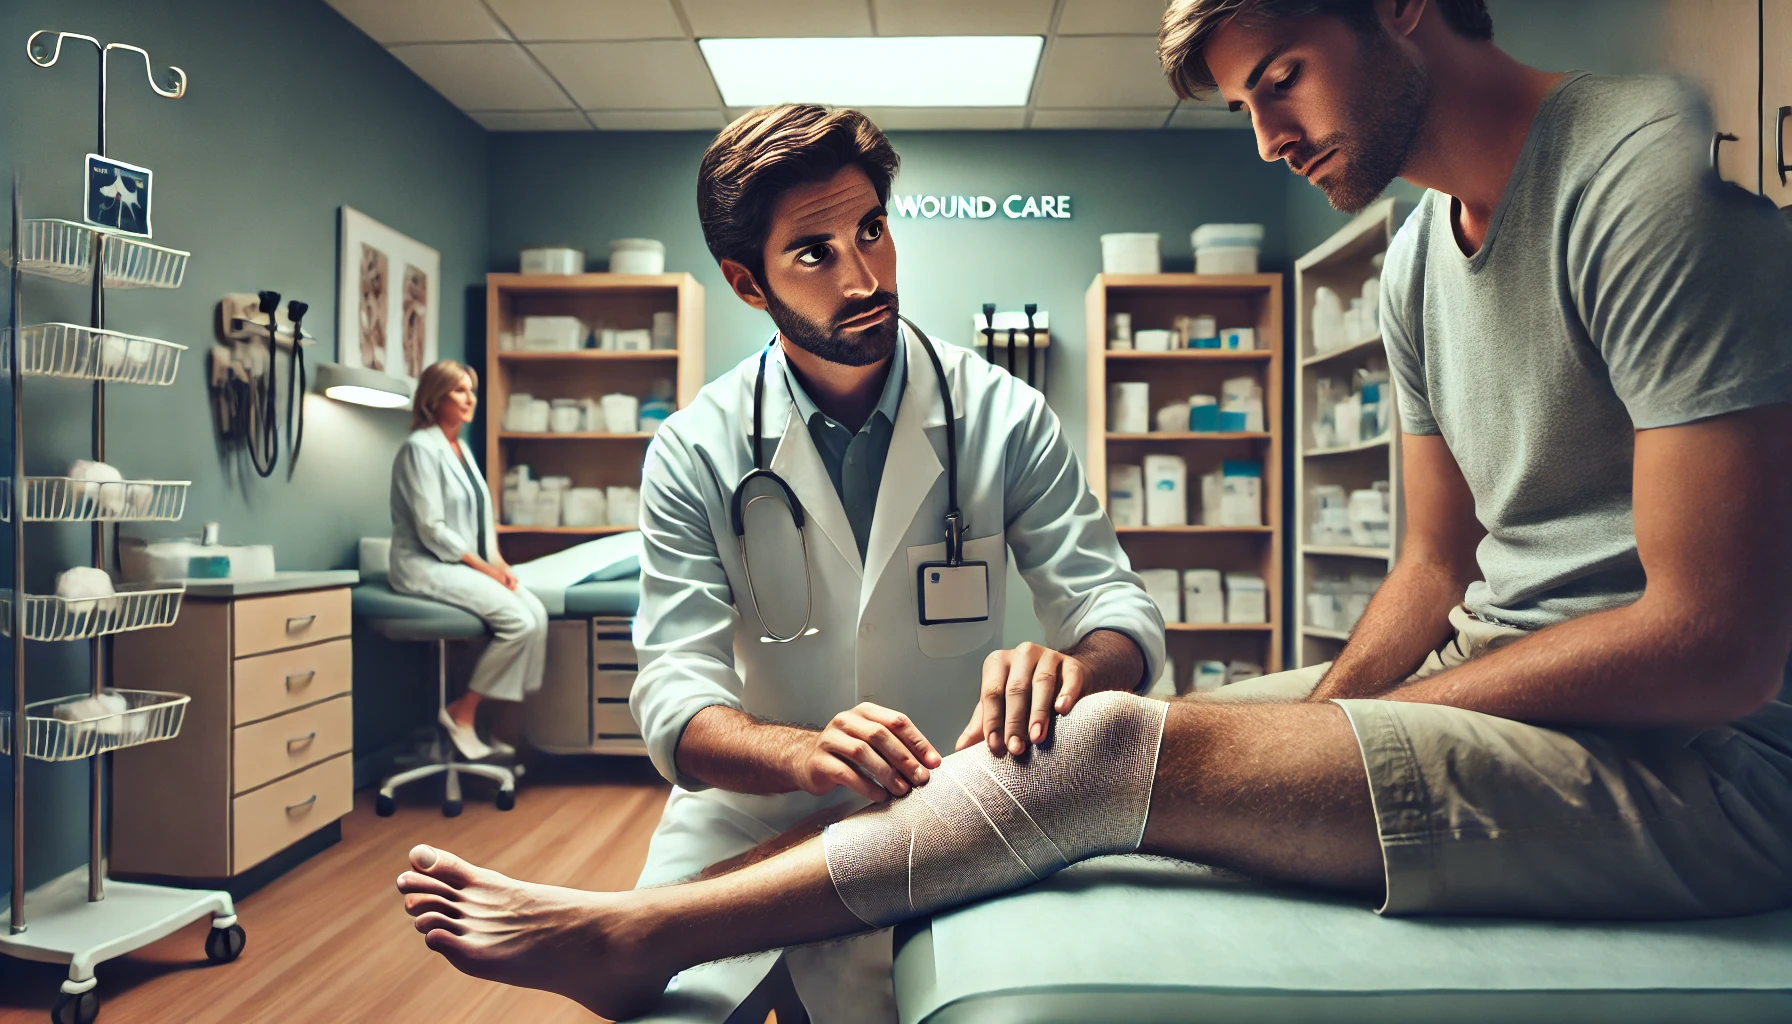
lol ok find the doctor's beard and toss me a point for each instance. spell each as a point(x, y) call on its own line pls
point(861, 347)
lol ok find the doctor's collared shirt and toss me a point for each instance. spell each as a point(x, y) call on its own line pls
point(855, 461)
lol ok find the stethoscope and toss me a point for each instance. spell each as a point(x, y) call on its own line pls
point(740, 504)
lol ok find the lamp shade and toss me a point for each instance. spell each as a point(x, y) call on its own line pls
point(361, 386)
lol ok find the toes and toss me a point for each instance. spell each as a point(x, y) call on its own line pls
point(418, 904)
point(432, 921)
point(413, 883)
point(442, 866)
point(455, 947)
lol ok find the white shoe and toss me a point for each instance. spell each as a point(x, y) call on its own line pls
point(465, 739)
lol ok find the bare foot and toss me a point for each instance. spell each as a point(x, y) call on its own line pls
point(566, 941)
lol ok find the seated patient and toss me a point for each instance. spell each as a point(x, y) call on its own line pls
point(445, 548)
point(1559, 704)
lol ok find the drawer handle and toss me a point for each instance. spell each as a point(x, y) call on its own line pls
point(299, 741)
point(293, 625)
point(298, 679)
point(302, 804)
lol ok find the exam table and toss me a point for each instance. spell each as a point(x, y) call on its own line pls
point(1128, 940)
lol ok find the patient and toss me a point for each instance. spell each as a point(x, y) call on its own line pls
point(1560, 702)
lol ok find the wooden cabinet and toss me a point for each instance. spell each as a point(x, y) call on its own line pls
point(264, 758)
point(1740, 51)
point(1776, 92)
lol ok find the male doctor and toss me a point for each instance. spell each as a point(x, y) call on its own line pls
point(807, 670)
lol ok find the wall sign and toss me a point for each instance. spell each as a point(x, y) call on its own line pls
point(1016, 207)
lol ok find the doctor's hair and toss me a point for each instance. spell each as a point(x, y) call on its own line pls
point(1189, 26)
point(433, 385)
point(772, 149)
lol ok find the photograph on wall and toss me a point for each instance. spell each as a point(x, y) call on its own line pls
point(390, 301)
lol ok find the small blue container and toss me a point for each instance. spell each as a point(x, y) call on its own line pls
point(1231, 422)
point(1204, 419)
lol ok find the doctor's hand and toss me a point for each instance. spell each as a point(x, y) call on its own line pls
point(1021, 690)
point(871, 750)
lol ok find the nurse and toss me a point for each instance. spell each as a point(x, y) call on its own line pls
point(826, 532)
point(444, 547)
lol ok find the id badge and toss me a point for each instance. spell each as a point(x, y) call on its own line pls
point(952, 593)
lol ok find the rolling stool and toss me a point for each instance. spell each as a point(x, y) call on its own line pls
point(404, 617)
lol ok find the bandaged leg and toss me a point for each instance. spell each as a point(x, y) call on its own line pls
point(985, 824)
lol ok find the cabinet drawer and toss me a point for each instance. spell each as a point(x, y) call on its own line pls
point(273, 684)
point(270, 749)
point(614, 720)
point(271, 819)
point(608, 652)
point(290, 620)
point(614, 685)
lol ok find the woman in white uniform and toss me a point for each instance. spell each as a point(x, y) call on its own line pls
point(444, 547)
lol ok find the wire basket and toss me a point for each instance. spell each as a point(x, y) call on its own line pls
point(149, 716)
point(84, 353)
point(63, 250)
point(61, 499)
point(134, 606)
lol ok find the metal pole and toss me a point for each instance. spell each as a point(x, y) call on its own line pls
point(15, 358)
point(96, 765)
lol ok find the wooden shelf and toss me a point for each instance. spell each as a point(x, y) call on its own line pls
point(1325, 634)
point(1346, 551)
point(589, 282)
point(1367, 446)
point(1185, 435)
point(1337, 353)
point(512, 435)
point(567, 531)
point(1132, 530)
point(1219, 627)
point(1191, 355)
point(587, 355)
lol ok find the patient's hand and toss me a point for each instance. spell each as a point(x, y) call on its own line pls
point(871, 750)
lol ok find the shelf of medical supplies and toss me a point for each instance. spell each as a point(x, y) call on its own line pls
point(149, 716)
point(1185, 435)
point(1374, 343)
point(1192, 355)
point(1129, 530)
point(568, 531)
point(63, 250)
point(86, 353)
point(587, 355)
point(61, 499)
point(1370, 445)
point(1347, 551)
point(1325, 634)
point(135, 606)
point(1219, 627)
point(578, 435)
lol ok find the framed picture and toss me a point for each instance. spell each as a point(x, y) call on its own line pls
point(388, 305)
point(117, 196)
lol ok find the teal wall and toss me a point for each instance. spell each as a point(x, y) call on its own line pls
point(291, 112)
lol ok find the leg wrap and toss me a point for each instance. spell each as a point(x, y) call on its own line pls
point(984, 824)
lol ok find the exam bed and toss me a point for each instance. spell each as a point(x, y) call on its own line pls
point(1128, 940)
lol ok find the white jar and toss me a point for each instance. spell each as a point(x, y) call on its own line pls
point(566, 417)
point(637, 256)
point(622, 414)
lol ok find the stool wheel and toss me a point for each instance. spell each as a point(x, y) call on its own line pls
point(506, 799)
point(451, 808)
point(384, 806)
point(225, 944)
point(76, 1009)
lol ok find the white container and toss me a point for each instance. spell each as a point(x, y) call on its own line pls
point(1126, 495)
point(1328, 320)
point(1226, 259)
point(665, 331)
point(1129, 407)
point(516, 412)
point(1247, 599)
point(553, 333)
point(1368, 513)
point(593, 415)
point(622, 414)
point(637, 256)
point(1131, 253)
point(584, 506)
point(1372, 307)
point(1153, 340)
point(1209, 236)
point(624, 505)
point(1203, 596)
point(1208, 676)
point(1119, 329)
point(533, 417)
point(1173, 419)
point(546, 507)
point(553, 259)
point(1164, 588)
point(1241, 500)
point(566, 417)
point(639, 339)
point(1213, 494)
point(1166, 490)
point(1241, 339)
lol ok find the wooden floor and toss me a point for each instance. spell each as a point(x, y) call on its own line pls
point(330, 943)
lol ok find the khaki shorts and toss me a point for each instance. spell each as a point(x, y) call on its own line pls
point(1483, 815)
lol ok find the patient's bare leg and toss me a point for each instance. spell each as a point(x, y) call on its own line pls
point(1276, 790)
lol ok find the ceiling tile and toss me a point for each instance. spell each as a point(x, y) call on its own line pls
point(962, 17)
point(1190, 116)
point(531, 20)
point(734, 19)
point(914, 119)
point(1102, 71)
point(657, 120)
point(1092, 118)
point(1111, 17)
point(531, 120)
point(483, 76)
point(421, 21)
point(657, 75)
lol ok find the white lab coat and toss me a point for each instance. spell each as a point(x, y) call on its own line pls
point(435, 520)
point(1020, 488)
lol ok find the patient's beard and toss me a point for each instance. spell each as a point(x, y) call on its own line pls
point(1382, 130)
point(859, 347)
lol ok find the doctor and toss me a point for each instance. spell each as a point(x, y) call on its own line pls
point(821, 597)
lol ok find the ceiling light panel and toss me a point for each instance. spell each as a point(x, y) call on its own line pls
point(909, 71)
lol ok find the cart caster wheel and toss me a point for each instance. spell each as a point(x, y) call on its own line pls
point(506, 799)
point(451, 808)
point(384, 806)
point(76, 1009)
point(225, 944)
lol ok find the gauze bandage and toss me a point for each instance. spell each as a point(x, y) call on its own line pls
point(985, 824)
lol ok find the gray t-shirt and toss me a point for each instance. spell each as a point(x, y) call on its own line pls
point(1621, 287)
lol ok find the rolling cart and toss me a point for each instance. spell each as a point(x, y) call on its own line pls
point(60, 922)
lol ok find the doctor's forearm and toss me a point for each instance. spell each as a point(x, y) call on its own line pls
point(1112, 658)
point(731, 750)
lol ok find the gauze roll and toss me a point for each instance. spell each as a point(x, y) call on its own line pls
point(984, 824)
